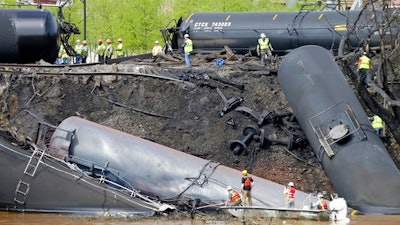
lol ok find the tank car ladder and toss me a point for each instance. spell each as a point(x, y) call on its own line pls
point(34, 162)
point(21, 192)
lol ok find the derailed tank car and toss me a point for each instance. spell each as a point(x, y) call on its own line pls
point(339, 131)
point(211, 31)
point(165, 174)
point(28, 35)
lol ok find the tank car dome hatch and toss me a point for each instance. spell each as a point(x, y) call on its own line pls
point(339, 131)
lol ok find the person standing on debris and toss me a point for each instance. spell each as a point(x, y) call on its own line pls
point(100, 50)
point(187, 48)
point(289, 193)
point(119, 51)
point(156, 50)
point(247, 185)
point(364, 68)
point(78, 51)
point(234, 198)
point(377, 124)
point(264, 48)
point(85, 51)
point(109, 50)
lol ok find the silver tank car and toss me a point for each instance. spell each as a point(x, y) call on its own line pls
point(338, 129)
point(155, 170)
point(28, 35)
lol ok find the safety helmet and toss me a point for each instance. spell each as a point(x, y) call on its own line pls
point(100, 41)
point(156, 42)
point(108, 41)
point(119, 39)
point(320, 195)
point(291, 184)
point(244, 172)
point(186, 35)
point(364, 53)
point(263, 35)
point(78, 41)
point(229, 188)
point(84, 42)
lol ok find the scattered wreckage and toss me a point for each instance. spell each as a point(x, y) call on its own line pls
point(100, 170)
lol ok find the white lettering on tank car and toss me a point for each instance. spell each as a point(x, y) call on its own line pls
point(201, 24)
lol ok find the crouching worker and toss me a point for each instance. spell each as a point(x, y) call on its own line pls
point(234, 198)
point(321, 204)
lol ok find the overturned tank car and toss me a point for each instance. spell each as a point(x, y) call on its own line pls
point(339, 131)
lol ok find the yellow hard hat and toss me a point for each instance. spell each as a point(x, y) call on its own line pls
point(119, 39)
point(84, 42)
point(244, 172)
point(108, 41)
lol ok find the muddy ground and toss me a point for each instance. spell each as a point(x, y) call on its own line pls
point(182, 112)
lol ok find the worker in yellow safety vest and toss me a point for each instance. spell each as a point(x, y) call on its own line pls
point(119, 51)
point(377, 124)
point(364, 68)
point(264, 48)
point(187, 48)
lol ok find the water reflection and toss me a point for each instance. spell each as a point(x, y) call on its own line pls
point(7, 218)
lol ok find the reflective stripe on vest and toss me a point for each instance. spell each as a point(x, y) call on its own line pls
point(364, 62)
point(264, 44)
point(189, 46)
point(235, 197)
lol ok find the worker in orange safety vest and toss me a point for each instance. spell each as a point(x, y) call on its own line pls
point(289, 192)
point(234, 198)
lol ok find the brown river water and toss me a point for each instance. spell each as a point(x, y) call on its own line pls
point(7, 218)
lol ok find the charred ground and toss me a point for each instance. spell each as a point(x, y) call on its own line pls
point(181, 112)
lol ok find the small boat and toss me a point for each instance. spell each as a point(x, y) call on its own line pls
point(276, 212)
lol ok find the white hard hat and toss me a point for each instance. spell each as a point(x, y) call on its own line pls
point(263, 35)
point(186, 35)
point(364, 53)
point(156, 42)
point(77, 41)
point(320, 195)
point(229, 188)
point(291, 184)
